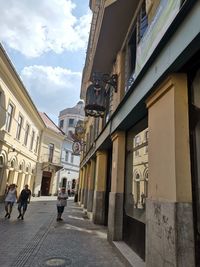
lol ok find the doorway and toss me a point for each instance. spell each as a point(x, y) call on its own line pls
point(46, 182)
point(194, 117)
point(108, 185)
point(134, 224)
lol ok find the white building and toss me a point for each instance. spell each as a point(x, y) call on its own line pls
point(68, 119)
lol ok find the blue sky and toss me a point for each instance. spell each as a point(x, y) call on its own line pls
point(47, 40)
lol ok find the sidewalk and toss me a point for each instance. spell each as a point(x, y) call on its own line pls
point(40, 240)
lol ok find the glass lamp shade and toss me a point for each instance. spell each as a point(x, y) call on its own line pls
point(95, 101)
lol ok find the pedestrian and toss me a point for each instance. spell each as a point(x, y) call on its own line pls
point(23, 200)
point(69, 192)
point(61, 203)
point(10, 199)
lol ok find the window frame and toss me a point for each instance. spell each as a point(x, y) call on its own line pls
point(51, 152)
point(72, 158)
point(135, 170)
point(9, 117)
point(26, 134)
point(61, 123)
point(19, 126)
point(71, 124)
point(66, 156)
point(37, 144)
point(32, 140)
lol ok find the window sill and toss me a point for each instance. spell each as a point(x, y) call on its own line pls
point(18, 140)
point(8, 133)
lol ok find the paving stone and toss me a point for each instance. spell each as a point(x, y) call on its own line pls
point(40, 240)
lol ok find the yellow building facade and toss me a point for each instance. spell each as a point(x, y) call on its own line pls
point(23, 134)
point(20, 129)
point(140, 166)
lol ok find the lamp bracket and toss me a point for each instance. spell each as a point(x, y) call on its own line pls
point(111, 80)
point(106, 78)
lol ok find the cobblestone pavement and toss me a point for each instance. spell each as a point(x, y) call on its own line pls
point(40, 240)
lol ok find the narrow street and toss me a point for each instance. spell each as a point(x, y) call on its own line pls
point(40, 240)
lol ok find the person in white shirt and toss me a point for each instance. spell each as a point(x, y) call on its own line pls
point(61, 203)
point(10, 199)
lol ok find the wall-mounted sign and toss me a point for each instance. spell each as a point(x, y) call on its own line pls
point(76, 148)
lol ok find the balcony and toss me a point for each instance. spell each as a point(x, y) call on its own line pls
point(50, 162)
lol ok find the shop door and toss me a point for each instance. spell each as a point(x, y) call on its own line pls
point(135, 188)
point(46, 182)
point(108, 185)
point(194, 117)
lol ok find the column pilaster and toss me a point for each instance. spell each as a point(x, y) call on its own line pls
point(100, 187)
point(169, 220)
point(115, 215)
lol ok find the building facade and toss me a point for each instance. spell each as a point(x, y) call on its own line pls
point(49, 159)
point(30, 143)
point(20, 130)
point(68, 119)
point(139, 172)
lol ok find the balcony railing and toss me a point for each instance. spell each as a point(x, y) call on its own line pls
point(50, 159)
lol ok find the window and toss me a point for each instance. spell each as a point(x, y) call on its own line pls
point(146, 140)
point(9, 115)
point(195, 141)
point(37, 144)
point(142, 22)
point(19, 127)
point(130, 60)
point(137, 141)
point(71, 123)
point(66, 156)
point(1, 162)
point(26, 134)
point(32, 140)
point(51, 151)
point(61, 123)
point(72, 158)
point(136, 180)
point(20, 167)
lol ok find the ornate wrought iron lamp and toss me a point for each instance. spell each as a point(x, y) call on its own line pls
point(95, 104)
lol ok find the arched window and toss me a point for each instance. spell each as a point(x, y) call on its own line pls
point(1, 167)
point(12, 164)
point(1, 162)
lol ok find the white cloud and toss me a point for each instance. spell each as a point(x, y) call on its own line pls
point(34, 27)
point(52, 89)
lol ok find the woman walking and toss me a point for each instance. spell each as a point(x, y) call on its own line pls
point(61, 203)
point(11, 197)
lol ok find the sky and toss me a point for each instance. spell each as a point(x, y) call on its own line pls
point(46, 41)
